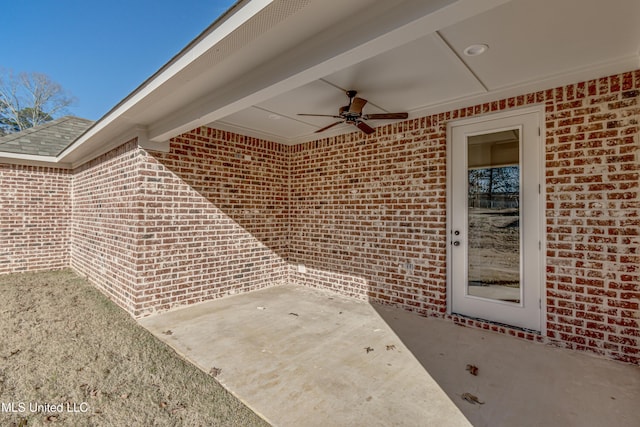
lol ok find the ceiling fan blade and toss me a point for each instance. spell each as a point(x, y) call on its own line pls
point(320, 115)
point(330, 126)
point(386, 116)
point(364, 127)
point(356, 105)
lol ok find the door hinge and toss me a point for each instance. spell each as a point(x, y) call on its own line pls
point(539, 132)
point(540, 303)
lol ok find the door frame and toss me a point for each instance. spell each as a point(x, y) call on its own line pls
point(539, 110)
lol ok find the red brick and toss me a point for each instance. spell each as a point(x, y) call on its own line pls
point(35, 218)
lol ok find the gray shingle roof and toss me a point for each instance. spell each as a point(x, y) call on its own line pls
point(48, 139)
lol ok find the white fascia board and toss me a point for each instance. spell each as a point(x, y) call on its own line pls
point(234, 21)
point(32, 160)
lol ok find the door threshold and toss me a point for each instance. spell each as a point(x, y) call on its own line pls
point(502, 325)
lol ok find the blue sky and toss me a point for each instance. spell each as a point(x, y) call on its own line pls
point(100, 51)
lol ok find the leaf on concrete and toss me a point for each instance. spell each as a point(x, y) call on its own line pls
point(473, 370)
point(471, 399)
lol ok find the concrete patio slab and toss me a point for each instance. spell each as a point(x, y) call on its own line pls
point(305, 357)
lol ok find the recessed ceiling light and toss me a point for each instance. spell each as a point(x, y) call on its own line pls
point(274, 117)
point(476, 49)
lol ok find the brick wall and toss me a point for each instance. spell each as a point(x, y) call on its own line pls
point(159, 230)
point(593, 222)
point(105, 229)
point(215, 219)
point(34, 221)
point(368, 214)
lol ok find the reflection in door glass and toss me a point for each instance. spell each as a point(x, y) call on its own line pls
point(494, 216)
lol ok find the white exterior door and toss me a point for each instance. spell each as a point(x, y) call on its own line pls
point(494, 219)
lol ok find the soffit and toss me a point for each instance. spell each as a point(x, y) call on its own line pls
point(532, 46)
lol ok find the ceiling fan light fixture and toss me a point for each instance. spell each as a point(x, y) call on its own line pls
point(476, 49)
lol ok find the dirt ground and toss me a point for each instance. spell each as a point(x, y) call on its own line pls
point(494, 250)
point(69, 356)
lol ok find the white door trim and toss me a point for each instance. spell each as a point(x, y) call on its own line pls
point(539, 109)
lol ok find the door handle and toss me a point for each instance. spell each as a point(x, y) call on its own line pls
point(456, 243)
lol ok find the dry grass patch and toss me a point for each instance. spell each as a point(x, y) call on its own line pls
point(66, 345)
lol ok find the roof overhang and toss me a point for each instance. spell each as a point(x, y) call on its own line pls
point(265, 50)
point(258, 50)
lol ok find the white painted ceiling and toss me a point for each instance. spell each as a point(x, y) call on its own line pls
point(532, 44)
point(264, 61)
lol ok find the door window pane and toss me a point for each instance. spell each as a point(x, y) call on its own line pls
point(494, 216)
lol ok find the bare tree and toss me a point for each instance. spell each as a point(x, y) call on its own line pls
point(487, 183)
point(30, 99)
